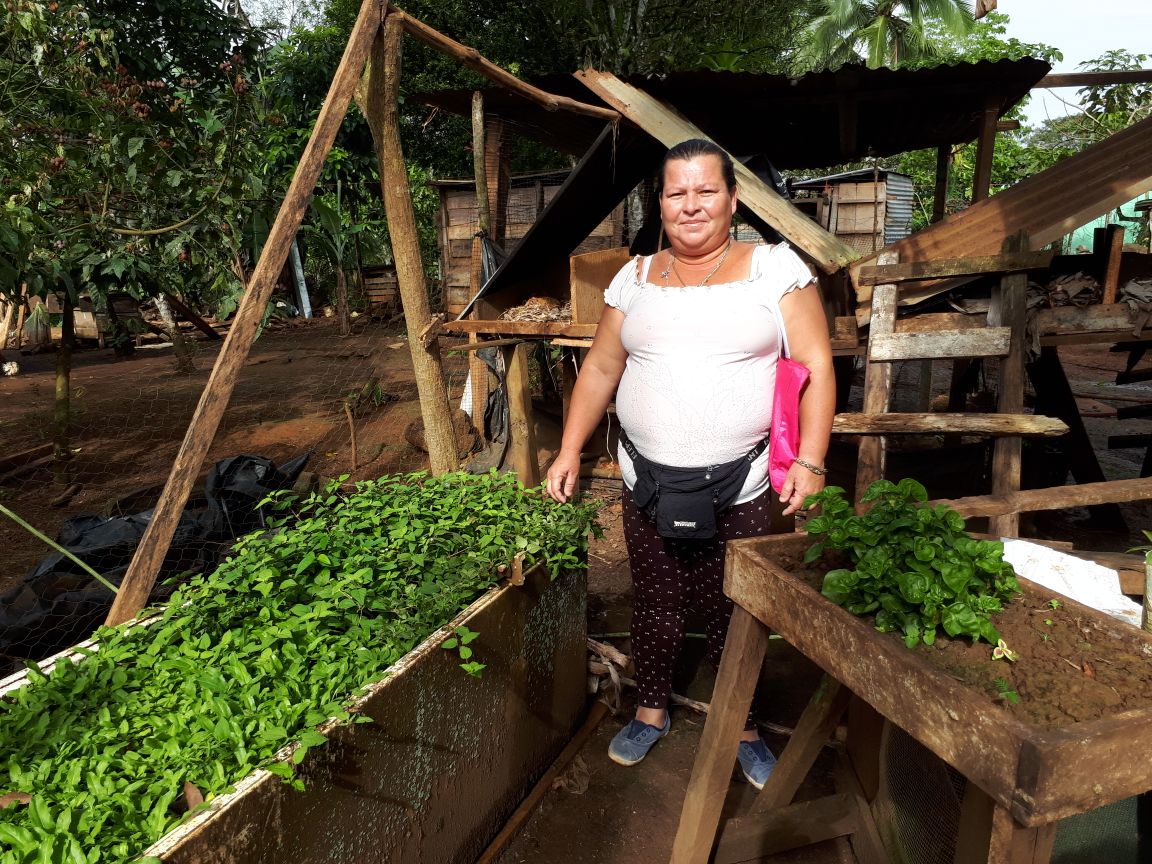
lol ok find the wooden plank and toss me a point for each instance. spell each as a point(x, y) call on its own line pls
point(866, 843)
point(522, 328)
point(751, 838)
point(472, 58)
point(712, 770)
point(1008, 310)
point(522, 456)
point(1090, 79)
point(1059, 771)
point(960, 726)
point(1012, 843)
point(987, 342)
point(1114, 247)
point(863, 745)
point(877, 383)
point(670, 128)
point(141, 574)
point(935, 322)
point(1073, 319)
point(1046, 205)
point(985, 145)
point(18, 460)
point(1052, 498)
point(974, 830)
point(911, 271)
point(186, 312)
point(815, 727)
point(940, 423)
point(589, 276)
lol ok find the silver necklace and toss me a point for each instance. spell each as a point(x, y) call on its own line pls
point(671, 268)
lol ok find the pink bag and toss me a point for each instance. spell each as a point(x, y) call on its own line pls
point(784, 432)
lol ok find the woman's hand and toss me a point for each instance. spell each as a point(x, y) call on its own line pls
point(563, 475)
point(798, 485)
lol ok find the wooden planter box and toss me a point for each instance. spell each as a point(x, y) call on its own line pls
point(447, 759)
point(1038, 775)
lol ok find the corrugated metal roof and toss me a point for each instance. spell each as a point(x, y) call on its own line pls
point(819, 119)
point(844, 176)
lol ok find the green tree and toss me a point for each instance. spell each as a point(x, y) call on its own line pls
point(882, 33)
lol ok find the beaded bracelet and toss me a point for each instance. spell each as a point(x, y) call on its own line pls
point(819, 472)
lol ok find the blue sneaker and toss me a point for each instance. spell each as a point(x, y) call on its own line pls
point(633, 742)
point(756, 761)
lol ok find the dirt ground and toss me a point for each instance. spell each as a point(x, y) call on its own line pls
point(130, 420)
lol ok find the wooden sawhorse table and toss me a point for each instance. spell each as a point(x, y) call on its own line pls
point(1021, 779)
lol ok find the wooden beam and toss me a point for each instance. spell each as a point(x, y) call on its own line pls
point(383, 115)
point(141, 574)
point(813, 730)
point(1114, 252)
point(664, 124)
point(522, 328)
point(1052, 498)
point(186, 312)
point(941, 423)
point(751, 838)
point(475, 61)
point(985, 145)
point(943, 170)
point(877, 384)
point(1008, 310)
point(989, 342)
point(911, 271)
point(522, 455)
point(712, 769)
point(1093, 79)
point(1085, 319)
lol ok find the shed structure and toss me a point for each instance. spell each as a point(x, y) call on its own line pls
point(867, 208)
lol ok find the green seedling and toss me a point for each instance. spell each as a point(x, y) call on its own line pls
point(258, 654)
point(460, 643)
point(1055, 603)
point(910, 564)
point(1005, 693)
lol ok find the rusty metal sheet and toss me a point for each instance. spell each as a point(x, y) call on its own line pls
point(1045, 206)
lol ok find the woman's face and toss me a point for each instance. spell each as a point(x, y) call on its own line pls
point(696, 206)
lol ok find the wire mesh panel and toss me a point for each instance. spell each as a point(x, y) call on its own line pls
point(917, 808)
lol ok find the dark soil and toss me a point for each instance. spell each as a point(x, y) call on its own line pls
point(1073, 664)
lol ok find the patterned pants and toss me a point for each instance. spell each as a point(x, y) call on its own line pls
point(671, 577)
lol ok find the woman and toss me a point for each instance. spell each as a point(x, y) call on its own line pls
point(690, 337)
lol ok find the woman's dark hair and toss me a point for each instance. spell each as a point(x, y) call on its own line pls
point(690, 149)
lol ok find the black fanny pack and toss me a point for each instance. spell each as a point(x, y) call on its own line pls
point(684, 502)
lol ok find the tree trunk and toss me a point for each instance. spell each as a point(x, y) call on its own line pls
point(383, 119)
point(123, 342)
point(62, 413)
point(184, 362)
point(342, 310)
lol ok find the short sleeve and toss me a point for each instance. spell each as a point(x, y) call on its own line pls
point(789, 269)
point(622, 289)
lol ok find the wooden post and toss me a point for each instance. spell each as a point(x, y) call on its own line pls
point(141, 574)
point(383, 118)
point(1008, 310)
point(1114, 251)
point(712, 771)
point(943, 169)
point(477, 368)
point(985, 146)
point(877, 383)
point(522, 456)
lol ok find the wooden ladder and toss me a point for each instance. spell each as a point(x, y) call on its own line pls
point(929, 337)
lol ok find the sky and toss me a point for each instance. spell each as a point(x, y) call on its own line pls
point(1082, 31)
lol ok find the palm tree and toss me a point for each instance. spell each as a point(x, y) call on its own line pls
point(882, 32)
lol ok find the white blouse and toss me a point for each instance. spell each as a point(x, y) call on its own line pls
point(697, 386)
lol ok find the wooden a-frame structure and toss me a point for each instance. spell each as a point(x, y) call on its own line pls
point(369, 72)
